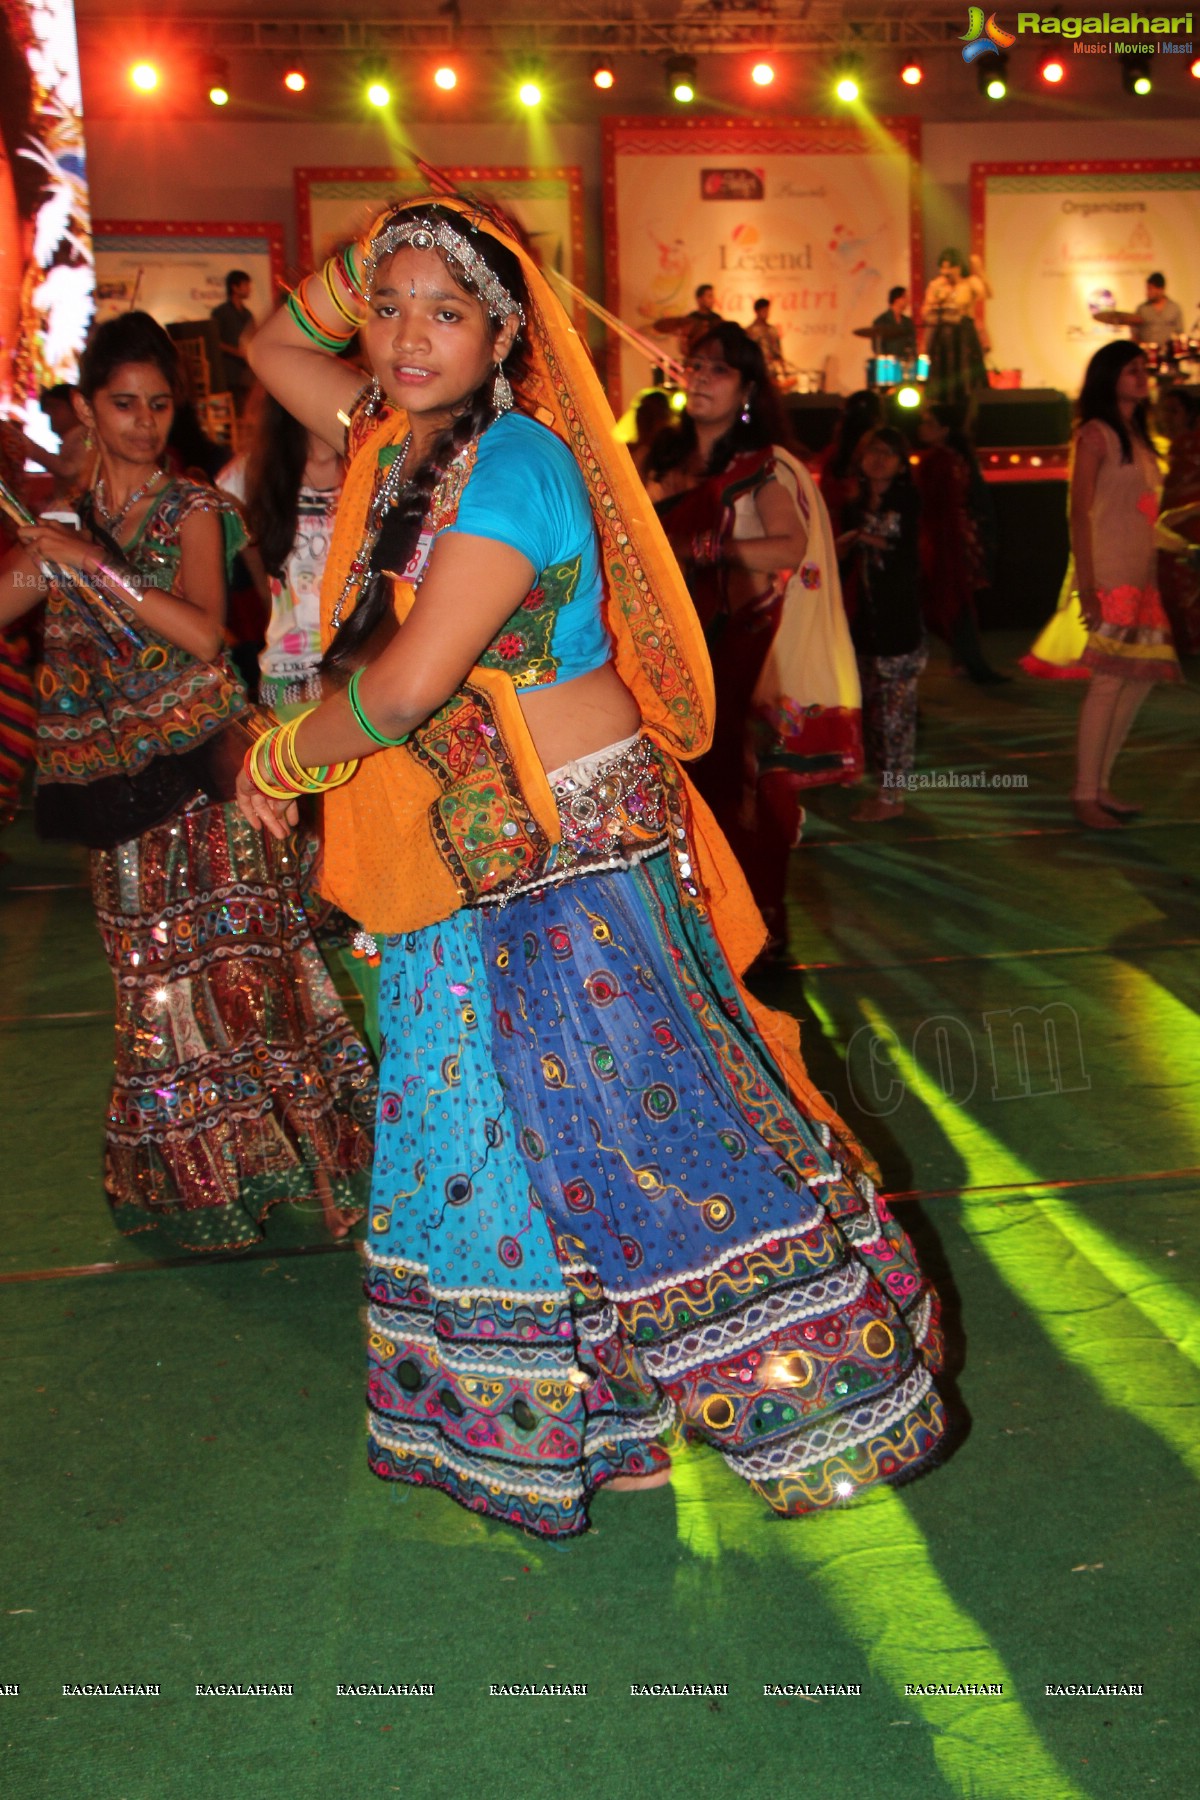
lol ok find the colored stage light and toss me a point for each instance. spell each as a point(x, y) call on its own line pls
point(144, 77)
point(1196, 69)
point(681, 79)
point(445, 77)
point(531, 78)
point(603, 76)
point(216, 80)
point(762, 74)
point(678, 400)
point(295, 81)
point(1135, 75)
point(847, 79)
point(1053, 71)
point(376, 86)
point(992, 76)
point(908, 397)
point(912, 74)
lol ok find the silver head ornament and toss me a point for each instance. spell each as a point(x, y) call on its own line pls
point(435, 234)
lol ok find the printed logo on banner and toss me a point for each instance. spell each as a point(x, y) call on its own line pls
point(985, 37)
point(732, 184)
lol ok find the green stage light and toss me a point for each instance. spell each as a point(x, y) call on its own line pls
point(681, 79)
point(908, 397)
point(530, 83)
point(1135, 75)
point(847, 79)
point(992, 75)
point(376, 86)
point(678, 400)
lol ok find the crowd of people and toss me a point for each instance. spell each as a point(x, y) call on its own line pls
point(536, 750)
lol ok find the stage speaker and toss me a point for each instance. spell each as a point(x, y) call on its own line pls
point(1032, 546)
point(812, 418)
point(1010, 416)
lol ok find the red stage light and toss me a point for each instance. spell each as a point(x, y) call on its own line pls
point(912, 74)
point(762, 74)
point(144, 77)
point(603, 76)
point(1196, 69)
point(1053, 71)
point(445, 77)
point(295, 81)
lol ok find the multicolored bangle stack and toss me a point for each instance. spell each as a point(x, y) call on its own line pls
point(275, 769)
point(338, 283)
point(362, 721)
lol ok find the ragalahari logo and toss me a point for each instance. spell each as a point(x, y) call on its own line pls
point(984, 37)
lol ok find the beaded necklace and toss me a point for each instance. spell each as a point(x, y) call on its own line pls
point(385, 497)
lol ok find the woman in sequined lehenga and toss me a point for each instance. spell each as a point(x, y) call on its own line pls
point(238, 1080)
point(607, 1200)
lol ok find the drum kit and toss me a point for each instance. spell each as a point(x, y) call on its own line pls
point(891, 371)
point(1174, 359)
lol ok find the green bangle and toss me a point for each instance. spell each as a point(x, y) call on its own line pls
point(364, 723)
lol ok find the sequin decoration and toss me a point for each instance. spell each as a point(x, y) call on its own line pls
point(238, 1078)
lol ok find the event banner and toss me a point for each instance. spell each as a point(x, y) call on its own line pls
point(45, 249)
point(819, 217)
point(177, 271)
point(1062, 242)
point(334, 206)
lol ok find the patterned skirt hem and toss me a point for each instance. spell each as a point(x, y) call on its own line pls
point(244, 1218)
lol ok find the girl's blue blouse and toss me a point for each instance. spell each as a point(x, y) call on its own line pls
point(526, 491)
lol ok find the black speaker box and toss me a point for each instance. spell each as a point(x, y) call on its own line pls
point(1010, 416)
point(812, 418)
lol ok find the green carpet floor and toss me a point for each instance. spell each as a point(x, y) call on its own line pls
point(1008, 1010)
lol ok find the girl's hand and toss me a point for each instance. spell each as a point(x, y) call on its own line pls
point(1090, 608)
point(846, 540)
point(57, 544)
point(258, 809)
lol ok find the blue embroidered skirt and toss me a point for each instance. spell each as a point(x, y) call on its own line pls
point(597, 1215)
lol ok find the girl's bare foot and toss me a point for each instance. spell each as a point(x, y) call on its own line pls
point(879, 807)
point(1120, 809)
point(339, 1220)
point(1091, 814)
point(621, 1484)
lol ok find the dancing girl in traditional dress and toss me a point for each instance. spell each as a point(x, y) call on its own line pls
point(607, 1200)
point(239, 1082)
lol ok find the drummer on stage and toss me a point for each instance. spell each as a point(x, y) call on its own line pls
point(1159, 318)
point(893, 331)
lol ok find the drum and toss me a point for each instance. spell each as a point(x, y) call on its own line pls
point(884, 371)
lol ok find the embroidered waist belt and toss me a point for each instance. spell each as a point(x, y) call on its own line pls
point(612, 813)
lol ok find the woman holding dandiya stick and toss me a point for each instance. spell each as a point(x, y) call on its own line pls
point(607, 1199)
point(238, 1080)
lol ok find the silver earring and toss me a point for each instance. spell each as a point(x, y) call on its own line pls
point(745, 413)
point(502, 394)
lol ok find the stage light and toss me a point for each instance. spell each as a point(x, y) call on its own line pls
point(762, 74)
point(1135, 75)
point(216, 80)
point(1052, 71)
point(1196, 69)
point(992, 76)
point(908, 397)
point(376, 86)
point(445, 77)
point(144, 77)
point(681, 79)
point(912, 74)
point(603, 76)
point(847, 79)
point(530, 79)
point(295, 81)
point(678, 400)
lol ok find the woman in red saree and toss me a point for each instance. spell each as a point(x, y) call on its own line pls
point(753, 538)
